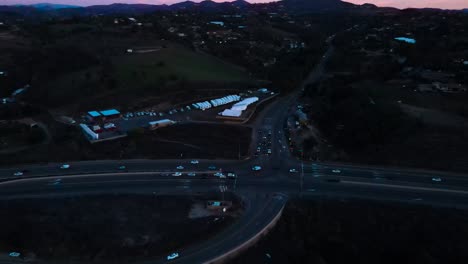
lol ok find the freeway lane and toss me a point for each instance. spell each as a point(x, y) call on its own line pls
point(319, 170)
point(147, 183)
point(113, 166)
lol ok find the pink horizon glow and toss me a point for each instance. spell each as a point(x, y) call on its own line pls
point(444, 4)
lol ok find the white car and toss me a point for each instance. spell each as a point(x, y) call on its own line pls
point(194, 162)
point(173, 256)
point(231, 175)
point(64, 166)
point(177, 174)
point(14, 254)
point(220, 175)
point(336, 171)
point(18, 173)
point(180, 167)
point(191, 174)
point(436, 179)
point(256, 168)
point(292, 170)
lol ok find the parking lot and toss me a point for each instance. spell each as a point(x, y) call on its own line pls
point(203, 111)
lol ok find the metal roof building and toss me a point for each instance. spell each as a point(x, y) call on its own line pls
point(110, 112)
point(94, 114)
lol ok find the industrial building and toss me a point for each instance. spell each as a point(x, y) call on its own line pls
point(97, 116)
point(110, 114)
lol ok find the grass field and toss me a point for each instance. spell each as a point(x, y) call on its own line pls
point(145, 74)
point(176, 62)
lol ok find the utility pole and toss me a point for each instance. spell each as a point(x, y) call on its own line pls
point(302, 171)
point(235, 183)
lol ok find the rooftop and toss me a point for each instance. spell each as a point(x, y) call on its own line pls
point(110, 112)
point(94, 113)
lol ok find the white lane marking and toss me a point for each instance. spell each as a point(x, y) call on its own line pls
point(406, 187)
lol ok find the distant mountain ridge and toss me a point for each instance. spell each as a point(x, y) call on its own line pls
point(295, 6)
point(206, 5)
point(49, 6)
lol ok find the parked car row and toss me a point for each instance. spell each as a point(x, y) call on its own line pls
point(142, 113)
point(154, 113)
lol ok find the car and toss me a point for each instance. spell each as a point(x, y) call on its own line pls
point(436, 179)
point(177, 174)
point(292, 170)
point(173, 256)
point(123, 167)
point(194, 162)
point(231, 175)
point(220, 175)
point(180, 167)
point(336, 171)
point(18, 173)
point(65, 166)
point(14, 254)
point(191, 174)
point(212, 167)
point(256, 168)
point(269, 151)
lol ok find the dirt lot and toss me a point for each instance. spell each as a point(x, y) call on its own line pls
point(105, 228)
point(354, 231)
point(186, 141)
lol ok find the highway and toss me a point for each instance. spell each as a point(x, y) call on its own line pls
point(264, 192)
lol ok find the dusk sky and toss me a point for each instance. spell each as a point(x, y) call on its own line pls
point(445, 4)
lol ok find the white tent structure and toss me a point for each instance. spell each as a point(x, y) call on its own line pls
point(231, 113)
point(237, 109)
point(242, 105)
point(216, 102)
